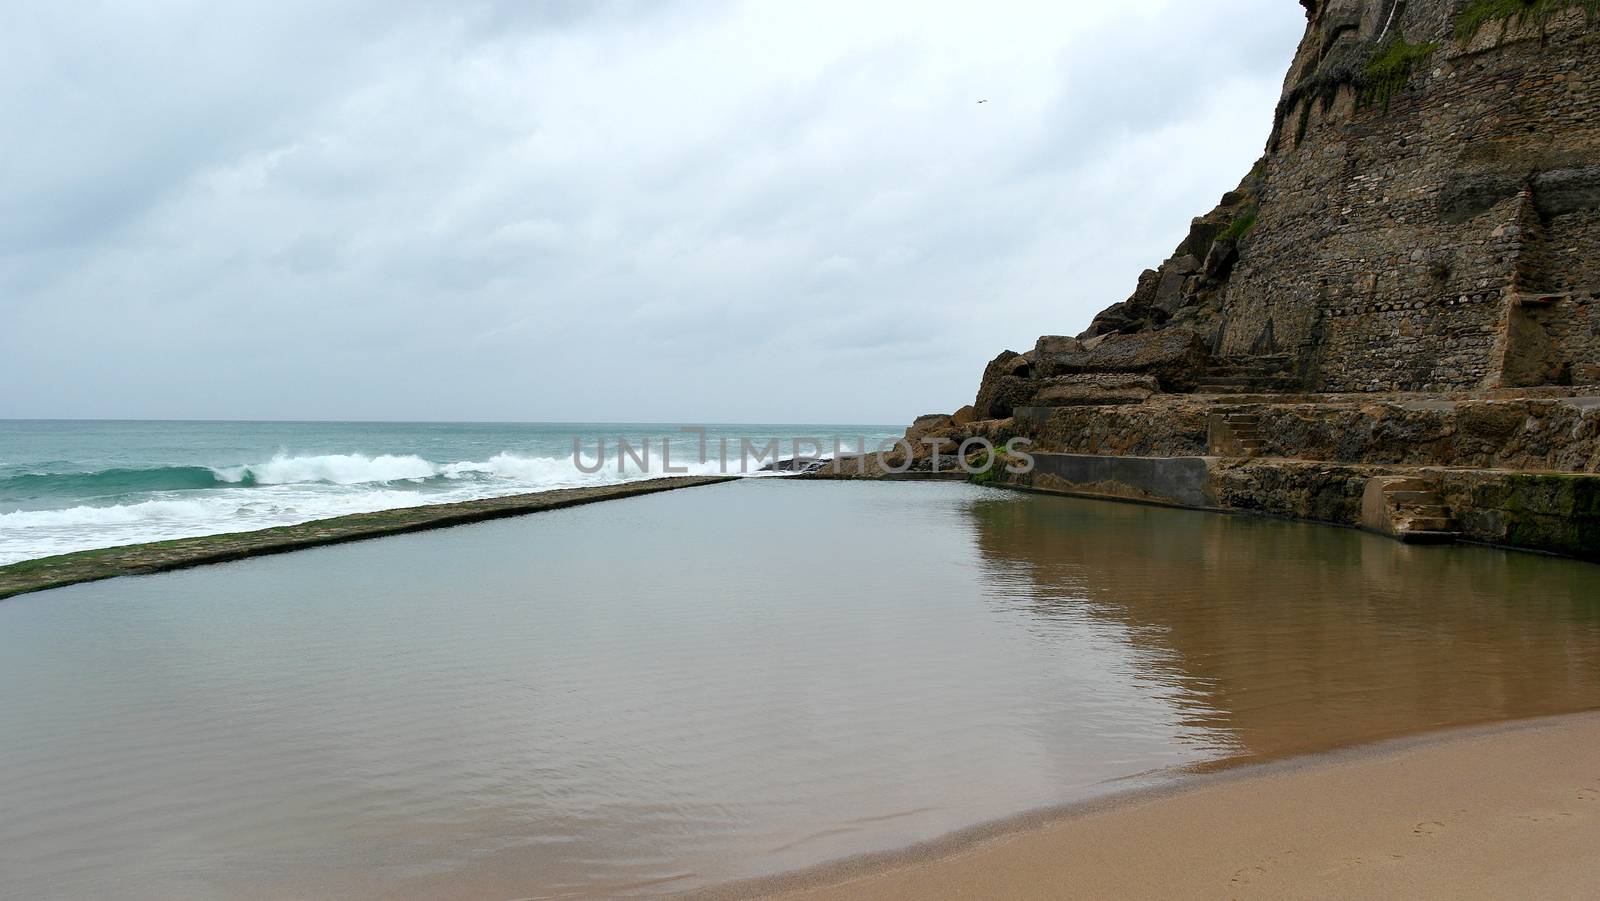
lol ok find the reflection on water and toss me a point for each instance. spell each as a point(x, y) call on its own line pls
point(672, 691)
point(1292, 637)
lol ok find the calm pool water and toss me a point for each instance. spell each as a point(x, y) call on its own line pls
point(663, 693)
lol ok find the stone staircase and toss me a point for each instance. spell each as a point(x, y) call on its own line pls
point(1408, 509)
point(1249, 375)
point(1244, 432)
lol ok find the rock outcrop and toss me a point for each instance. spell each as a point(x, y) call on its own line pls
point(1426, 218)
point(1393, 321)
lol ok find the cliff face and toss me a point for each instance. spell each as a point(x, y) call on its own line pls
point(1426, 217)
point(1392, 323)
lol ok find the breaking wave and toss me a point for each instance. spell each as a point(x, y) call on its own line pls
point(335, 469)
point(46, 513)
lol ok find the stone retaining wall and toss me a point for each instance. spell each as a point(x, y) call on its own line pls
point(1393, 235)
point(1550, 513)
point(1171, 481)
point(1561, 435)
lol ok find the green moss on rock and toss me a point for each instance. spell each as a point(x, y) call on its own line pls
point(1390, 70)
point(1558, 513)
point(1375, 72)
point(1505, 13)
point(1240, 226)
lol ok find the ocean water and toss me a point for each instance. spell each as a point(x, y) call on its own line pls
point(73, 485)
point(668, 692)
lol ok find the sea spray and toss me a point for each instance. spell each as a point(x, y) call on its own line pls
point(76, 485)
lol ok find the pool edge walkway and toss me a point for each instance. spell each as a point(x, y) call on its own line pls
point(182, 553)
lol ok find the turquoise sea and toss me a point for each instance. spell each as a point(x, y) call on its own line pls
point(73, 485)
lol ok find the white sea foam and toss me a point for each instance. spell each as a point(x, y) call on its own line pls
point(356, 469)
point(289, 489)
point(534, 470)
point(336, 469)
point(104, 516)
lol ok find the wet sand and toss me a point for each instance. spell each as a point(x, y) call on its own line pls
point(1491, 812)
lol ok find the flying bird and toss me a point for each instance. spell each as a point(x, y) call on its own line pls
point(983, 101)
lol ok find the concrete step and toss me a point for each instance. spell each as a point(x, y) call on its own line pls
point(1431, 511)
point(1411, 496)
point(1419, 485)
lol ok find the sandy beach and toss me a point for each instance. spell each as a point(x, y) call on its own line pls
point(1507, 811)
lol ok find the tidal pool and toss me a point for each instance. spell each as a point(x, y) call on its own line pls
point(663, 693)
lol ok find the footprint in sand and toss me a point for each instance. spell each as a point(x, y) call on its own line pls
point(1431, 827)
point(1588, 794)
point(1247, 875)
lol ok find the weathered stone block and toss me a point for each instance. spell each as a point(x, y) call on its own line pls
point(1177, 357)
point(1095, 389)
point(1008, 382)
point(1171, 291)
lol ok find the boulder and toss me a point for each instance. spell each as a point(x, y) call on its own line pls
point(1022, 366)
point(1177, 357)
point(925, 425)
point(928, 432)
point(1203, 232)
point(1173, 288)
point(1143, 299)
point(1093, 389)
point(1130, 314)
point(1007, 382)
point(1219, 262)
point(1052, 348)
point(964, 416)
point(1112, 319)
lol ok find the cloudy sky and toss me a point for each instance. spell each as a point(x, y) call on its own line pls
point(588, 211)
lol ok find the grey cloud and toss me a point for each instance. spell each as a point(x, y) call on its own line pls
point(597, 211)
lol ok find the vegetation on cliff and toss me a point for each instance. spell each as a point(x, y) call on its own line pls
point(1375, 72)
point(1390, 70)
point(1241, 226)
point(1479, 13)
point(1378, 71)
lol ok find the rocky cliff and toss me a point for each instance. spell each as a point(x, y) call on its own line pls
point(1426, 218)
point(1392, 323)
